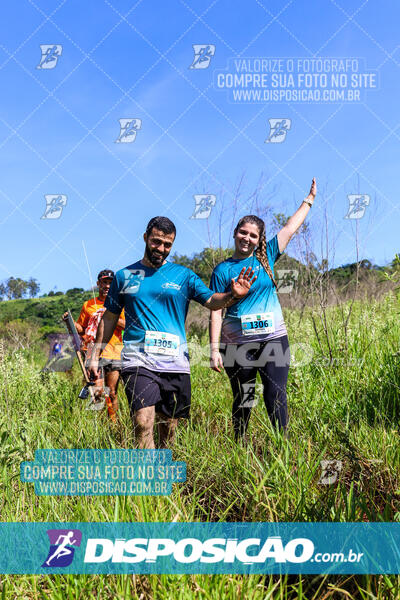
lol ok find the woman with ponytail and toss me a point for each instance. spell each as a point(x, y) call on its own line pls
point(254, 337)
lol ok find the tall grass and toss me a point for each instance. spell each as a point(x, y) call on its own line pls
point(346, 409)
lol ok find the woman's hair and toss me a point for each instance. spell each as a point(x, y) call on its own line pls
point(261, 252)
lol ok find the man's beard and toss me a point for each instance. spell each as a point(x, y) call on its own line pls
point(155, 260)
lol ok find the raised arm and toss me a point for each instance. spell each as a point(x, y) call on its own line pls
point(297, 219)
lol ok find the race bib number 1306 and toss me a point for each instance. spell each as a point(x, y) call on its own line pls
point(258, 323)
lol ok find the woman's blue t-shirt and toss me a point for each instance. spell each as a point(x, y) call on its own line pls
point(262, 298)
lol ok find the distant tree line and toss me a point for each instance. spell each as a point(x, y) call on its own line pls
point(72, 292)
point(203, 263)
point(15, 287)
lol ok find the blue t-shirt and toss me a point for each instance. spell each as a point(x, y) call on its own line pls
point(156, 302)
point(261, 298)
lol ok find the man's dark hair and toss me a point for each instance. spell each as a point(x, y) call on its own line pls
point(162, 223)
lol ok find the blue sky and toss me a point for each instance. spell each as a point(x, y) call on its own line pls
point(130, 60)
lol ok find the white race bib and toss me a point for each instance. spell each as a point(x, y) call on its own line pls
point(258, 323)
point(159, 342)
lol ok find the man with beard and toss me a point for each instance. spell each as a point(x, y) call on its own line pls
point(155, 295)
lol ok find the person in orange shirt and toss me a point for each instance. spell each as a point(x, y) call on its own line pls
point(111, 355)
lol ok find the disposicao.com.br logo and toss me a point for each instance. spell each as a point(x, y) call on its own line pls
point(213, 550)
point(208, 548)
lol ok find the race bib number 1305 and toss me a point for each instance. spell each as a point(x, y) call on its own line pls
point(160, 342)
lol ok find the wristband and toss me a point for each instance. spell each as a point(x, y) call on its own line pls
point(308, 201)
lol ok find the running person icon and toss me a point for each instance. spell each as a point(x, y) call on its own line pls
point(155, 362)
point(62, 549)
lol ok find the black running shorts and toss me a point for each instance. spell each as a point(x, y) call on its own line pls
point(168, 392)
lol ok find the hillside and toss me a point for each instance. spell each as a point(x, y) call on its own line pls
point(45, 312)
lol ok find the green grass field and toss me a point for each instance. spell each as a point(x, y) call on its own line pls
point(348, 410)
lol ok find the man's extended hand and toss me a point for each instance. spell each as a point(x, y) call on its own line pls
point(241, 286)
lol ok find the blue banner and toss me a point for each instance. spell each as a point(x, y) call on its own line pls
point(209, 548)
